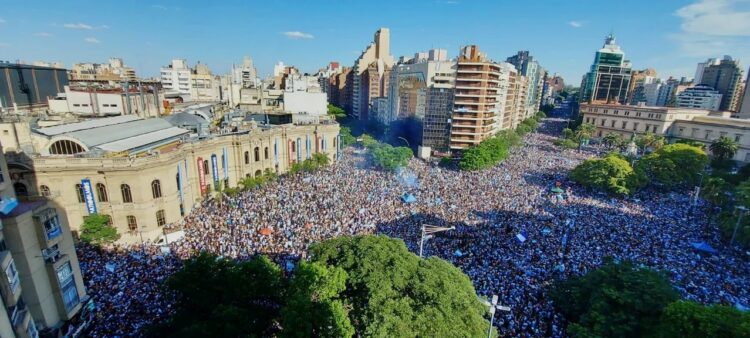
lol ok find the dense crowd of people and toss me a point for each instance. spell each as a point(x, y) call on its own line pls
point(514, 236)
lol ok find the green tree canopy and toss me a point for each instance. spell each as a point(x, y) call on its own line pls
point(673, 165)
point(391, 158)
point(336, 112)
point(217, 297)
point(393, 293)
point(686, 319)
point(97, 229)
point(723, 148)
point(611, 173)
point(615, 300)
point(347, 138)
point(489, 152)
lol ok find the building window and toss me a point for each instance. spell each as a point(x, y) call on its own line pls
point(21, 189)
point(624, 124)
point(635, 126)
point(708, 134)
point(258, 173)
point(737, 138)
point(12, 273)
point(247, 157)
point(44, 190)
point(156, 188)
point(79, 192)
point(132, 223)
point(612, 123)
point(265, 153)
point(101, 192)
point(294, 147)
point(603, 120)
point(127, 197)
point(256, 152)
point(51, 222)
point(161, 219)
point(65, 147)
point(68, 286)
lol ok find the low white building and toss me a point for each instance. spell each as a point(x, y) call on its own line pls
point(700, 97)
point(107, 102)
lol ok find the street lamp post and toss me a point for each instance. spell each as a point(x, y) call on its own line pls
point(427, 231)
point(407, 142)
point(742, 210)
point(493, 308)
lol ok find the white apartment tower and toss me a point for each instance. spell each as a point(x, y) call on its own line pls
point(369, 72)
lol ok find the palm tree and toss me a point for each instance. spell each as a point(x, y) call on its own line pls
point(585, 131)
point(723, 148)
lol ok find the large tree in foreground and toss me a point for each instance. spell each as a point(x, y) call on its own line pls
point(723, 148)
point(611, 173)
point(615, 300)
point(686, 319)
point(393, 293)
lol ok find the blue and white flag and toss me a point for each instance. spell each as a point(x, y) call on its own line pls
point(521, 236)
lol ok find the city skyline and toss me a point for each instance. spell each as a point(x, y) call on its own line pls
point(679, 34)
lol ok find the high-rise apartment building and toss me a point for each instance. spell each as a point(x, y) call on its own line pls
point(40, 282)
point(609, 77)
point(700, 97)
point(726, 78)
point(702, 66)
point(410, 77)
point(534, 73)
point(436, 125)
point(175, 78)
point(370, 74)
point(745, 106)
point(638, 79)
point(475, 104)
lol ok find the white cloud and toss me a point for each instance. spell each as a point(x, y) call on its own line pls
point(575, 24)
point(714, 28)
point(44, 34)
point(298, 35)
point(78, 26)
point(92, 40)
point(164, 8)
point(2, 20)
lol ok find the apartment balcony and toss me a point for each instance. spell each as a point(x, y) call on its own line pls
point(48, 226)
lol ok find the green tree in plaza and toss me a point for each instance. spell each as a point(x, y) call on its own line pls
point(584, 131)
point(615, 300)
point(393, 293)
point(314, 306)
point(347, 139)
point(97, 229)
point(723, 148)
point(390, 158)
point(611, 173)
point(673, 165)
point(687, 319)
point(649, 141)
point(489, 152)
point(217, 297)
point(336, 112)
point(368, 141)
point(613, 140)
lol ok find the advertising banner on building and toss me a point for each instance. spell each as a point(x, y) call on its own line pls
point(226, 163)
point(201, 176)
point(299, 151)
point(88, 195)
point(276, 151)
point(308, 146)
point(181, 178)
point(215, 170)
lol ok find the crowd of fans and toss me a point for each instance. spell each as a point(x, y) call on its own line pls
point(514, 236)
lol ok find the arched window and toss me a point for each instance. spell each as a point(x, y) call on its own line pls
point(335, 142)
point(257, 154)
point(65, 147)
point(132, 223)
point(294, 146)
point(79, 193)
point(258, 173)
point(21, 189)
point(247, 157)
point(44, 190)
point(205, 167)
point(156, 188)
point(101, 192)
point(161, 219)
point(127, 197)
point(265, 153)
point(177, 179)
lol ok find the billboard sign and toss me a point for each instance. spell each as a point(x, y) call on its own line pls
point(88, 195)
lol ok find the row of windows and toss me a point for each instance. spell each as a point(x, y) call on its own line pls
point(708, 133)
point(256, 153)
point(626, 113)
point(161, 220)
point(101, 192)
point(623, 124)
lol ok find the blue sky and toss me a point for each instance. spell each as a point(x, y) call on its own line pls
point(669, 35)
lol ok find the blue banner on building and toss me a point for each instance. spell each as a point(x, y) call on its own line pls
point(215, 170)
point(180, 185)
point(299, 150)
point(308, 145)
point(338, 146)
point(226, 164)
point(88, 195)
point(276, 151)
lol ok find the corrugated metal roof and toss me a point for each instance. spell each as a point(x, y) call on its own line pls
point(110, 133)
point(88, 124)
point(143, 139)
